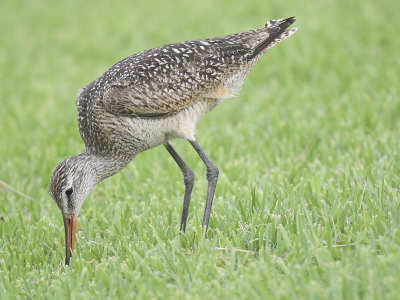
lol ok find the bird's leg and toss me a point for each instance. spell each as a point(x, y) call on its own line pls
point(212, 178)
point(188, 179)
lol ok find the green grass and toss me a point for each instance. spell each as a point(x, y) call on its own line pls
point(307, 204)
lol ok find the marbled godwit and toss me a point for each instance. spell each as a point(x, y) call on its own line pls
point(150, 98)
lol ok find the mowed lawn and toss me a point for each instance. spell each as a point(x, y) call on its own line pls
point(307, 205)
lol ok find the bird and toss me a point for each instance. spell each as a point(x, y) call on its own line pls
point(149, 99)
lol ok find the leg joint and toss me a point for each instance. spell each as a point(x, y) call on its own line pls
point(212, 172)
point(188, 176)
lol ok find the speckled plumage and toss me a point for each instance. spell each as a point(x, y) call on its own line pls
point(154, 96)
point(152, 85)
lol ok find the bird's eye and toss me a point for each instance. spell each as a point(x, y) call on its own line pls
point(69, 191)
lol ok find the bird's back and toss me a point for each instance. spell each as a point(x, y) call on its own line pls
point(165, 80)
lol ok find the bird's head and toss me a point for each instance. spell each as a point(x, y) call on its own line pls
point(71, 182)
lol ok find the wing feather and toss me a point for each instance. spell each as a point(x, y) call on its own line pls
point(167, 79)
point(163, 88)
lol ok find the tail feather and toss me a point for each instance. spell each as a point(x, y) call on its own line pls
point(277, 33)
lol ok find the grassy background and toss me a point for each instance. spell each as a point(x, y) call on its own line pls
point(307, 204)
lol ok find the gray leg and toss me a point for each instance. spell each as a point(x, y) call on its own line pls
point(212, 178)
point(188, 179)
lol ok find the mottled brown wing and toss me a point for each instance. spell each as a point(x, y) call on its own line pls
point(158, 96)
point(163, 81)
point(170, 78)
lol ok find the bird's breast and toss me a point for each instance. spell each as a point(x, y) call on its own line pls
point(128, 136)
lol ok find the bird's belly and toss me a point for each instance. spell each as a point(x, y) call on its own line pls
point(140, 134)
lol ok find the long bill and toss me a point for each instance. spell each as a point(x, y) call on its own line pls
point(70, 229)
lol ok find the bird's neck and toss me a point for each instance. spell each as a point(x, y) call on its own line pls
point(103, 167)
